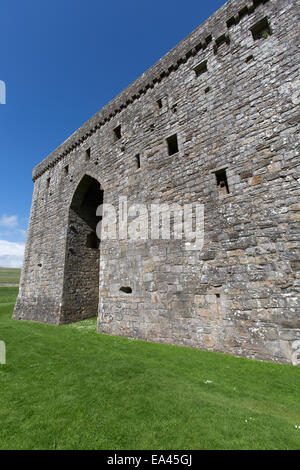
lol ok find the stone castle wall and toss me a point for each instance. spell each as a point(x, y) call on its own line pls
point(229, 93)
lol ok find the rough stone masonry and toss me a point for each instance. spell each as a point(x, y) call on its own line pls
point(215, 122)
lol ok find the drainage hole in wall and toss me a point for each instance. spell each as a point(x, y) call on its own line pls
point(249, 59)
point(126, 289)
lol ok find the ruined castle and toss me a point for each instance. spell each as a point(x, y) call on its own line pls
point(213, 122)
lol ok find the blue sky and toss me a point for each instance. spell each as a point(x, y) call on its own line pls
point(61, 61)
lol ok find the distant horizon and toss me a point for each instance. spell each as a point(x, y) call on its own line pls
point(5, 267)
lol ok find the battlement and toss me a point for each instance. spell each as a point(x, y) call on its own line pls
point(211, 34)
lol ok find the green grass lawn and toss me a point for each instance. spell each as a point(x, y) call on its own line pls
point(9, 276)
point(68, 387)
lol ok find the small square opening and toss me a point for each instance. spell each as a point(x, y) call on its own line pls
point(261, 29)
point(117, 133)
point(224, 39)
point(201, 68)
point(172, 144)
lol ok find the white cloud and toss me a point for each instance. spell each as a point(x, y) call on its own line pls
point(11, 254)
point(9, 221)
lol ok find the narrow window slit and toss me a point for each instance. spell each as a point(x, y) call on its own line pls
point(88, 154)
point(138, 161)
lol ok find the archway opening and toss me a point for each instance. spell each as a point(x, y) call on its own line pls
point(81, 279)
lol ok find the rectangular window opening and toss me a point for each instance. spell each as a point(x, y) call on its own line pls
point(159, 103)
point(88, 154)
point(48, 182)
point(117, 133)
point(230, 22)
point(243, 12)
point(222, 182)
point(172, 144)
point(92, 241)
point(66, 170)
point(222, 39)
point(261, 29)
point(256, 3)
point(201, 68)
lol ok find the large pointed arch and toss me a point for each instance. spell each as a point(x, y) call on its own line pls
point(82, 261)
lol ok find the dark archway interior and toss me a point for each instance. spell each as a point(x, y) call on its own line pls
point(81, 280)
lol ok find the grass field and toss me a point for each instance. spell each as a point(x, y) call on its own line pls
point(70, 388)
point(9, 276)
